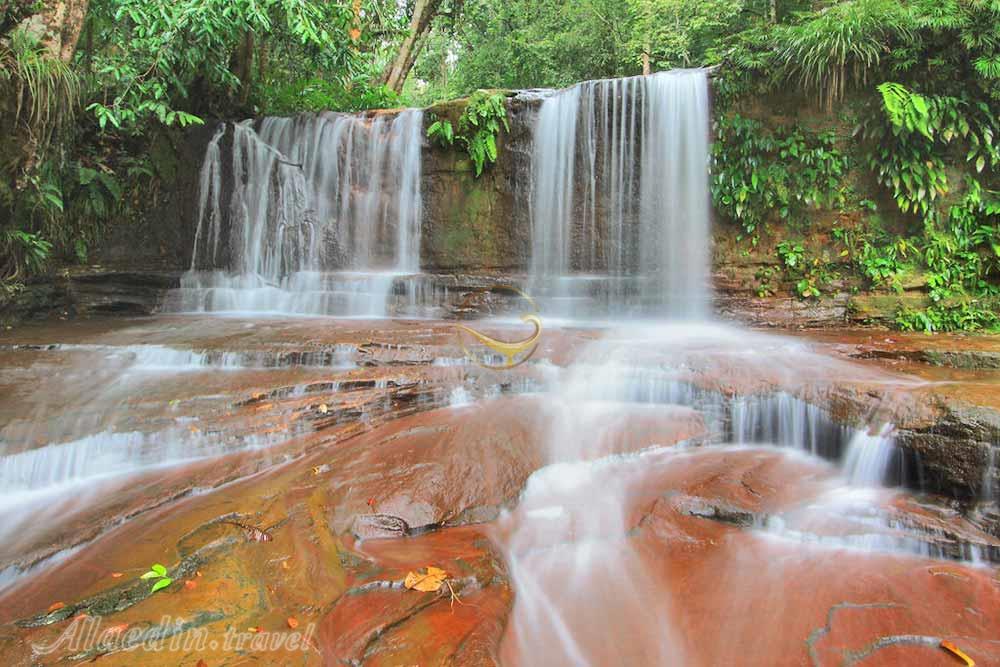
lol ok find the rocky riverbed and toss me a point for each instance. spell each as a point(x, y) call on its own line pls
point(674, 493)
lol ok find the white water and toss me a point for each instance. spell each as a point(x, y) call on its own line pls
point(323, 215)
point(619, 197)
point(989, 491)
point(568, 536)
point(868, 457)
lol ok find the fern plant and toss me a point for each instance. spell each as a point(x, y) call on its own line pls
point(479, 126)
point(441, 131)
point(24, 253)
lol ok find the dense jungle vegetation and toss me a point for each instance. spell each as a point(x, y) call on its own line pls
point(870, 125)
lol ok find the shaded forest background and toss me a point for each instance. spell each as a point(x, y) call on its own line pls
point(855, 137)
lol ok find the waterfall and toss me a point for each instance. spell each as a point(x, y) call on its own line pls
point(869, 456)
point(322, 213)
point(619, 197)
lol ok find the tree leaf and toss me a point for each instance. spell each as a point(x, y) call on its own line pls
point(162, 583)
point(951, 648)
point(426, 582)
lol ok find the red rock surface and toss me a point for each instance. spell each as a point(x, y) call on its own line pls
point(639, 551)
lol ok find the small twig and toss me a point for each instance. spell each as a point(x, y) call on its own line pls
point(455, 598)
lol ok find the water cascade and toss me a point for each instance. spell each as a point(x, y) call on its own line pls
point(309, 215)
point(619, 197)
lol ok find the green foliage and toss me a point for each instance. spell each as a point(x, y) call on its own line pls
point(484, 114)
point(970, 315)
point(159, 573)
point(442, 132)
point(762, 174)
point(763, 276)
point(908, 153)
point(526, 44)
point(808, 275)
point(23, 253)
point(792, 255)
point(680, 33)
point(878, 256)
point(479, 125)
point(318, 94)
point(157, 50)
point(838, 47)
point(44, 90)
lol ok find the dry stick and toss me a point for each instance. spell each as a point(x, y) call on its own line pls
point(455, 598)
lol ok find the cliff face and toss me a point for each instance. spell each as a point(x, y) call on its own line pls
point(475, 231)
point(478, 224)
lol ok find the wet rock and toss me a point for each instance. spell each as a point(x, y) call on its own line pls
point(716, 510)
point(954, 451)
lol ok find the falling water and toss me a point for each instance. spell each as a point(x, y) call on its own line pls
point(988, 490)
point(868, 457)
point(619, 197)
point(322, 215)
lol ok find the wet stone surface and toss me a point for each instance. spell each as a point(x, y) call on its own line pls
point(616, 500)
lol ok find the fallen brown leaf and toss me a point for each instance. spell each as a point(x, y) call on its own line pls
point(201, 663)
point(56, 606)
point(190, 584)
point(116, 575)
point(293, 622)
point(426, 582)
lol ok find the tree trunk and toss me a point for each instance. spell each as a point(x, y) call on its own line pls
point(246, 67)
point(420, 23)
point(774, 11)
point(58, 26)
point(645, 61)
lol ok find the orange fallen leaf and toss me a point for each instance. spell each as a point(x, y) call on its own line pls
point(254, 629)
point(56, 606)
point(201, 663)
point(323, 409)
point(190, 584)
point(426, 582)
point(197, 573)
point(293, 622)
point(948, 646)
point(284, 565)
point(116, 575)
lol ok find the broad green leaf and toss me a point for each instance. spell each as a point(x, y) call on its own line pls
point(162, 583)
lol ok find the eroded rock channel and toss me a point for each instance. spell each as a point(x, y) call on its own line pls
point(616, 500)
